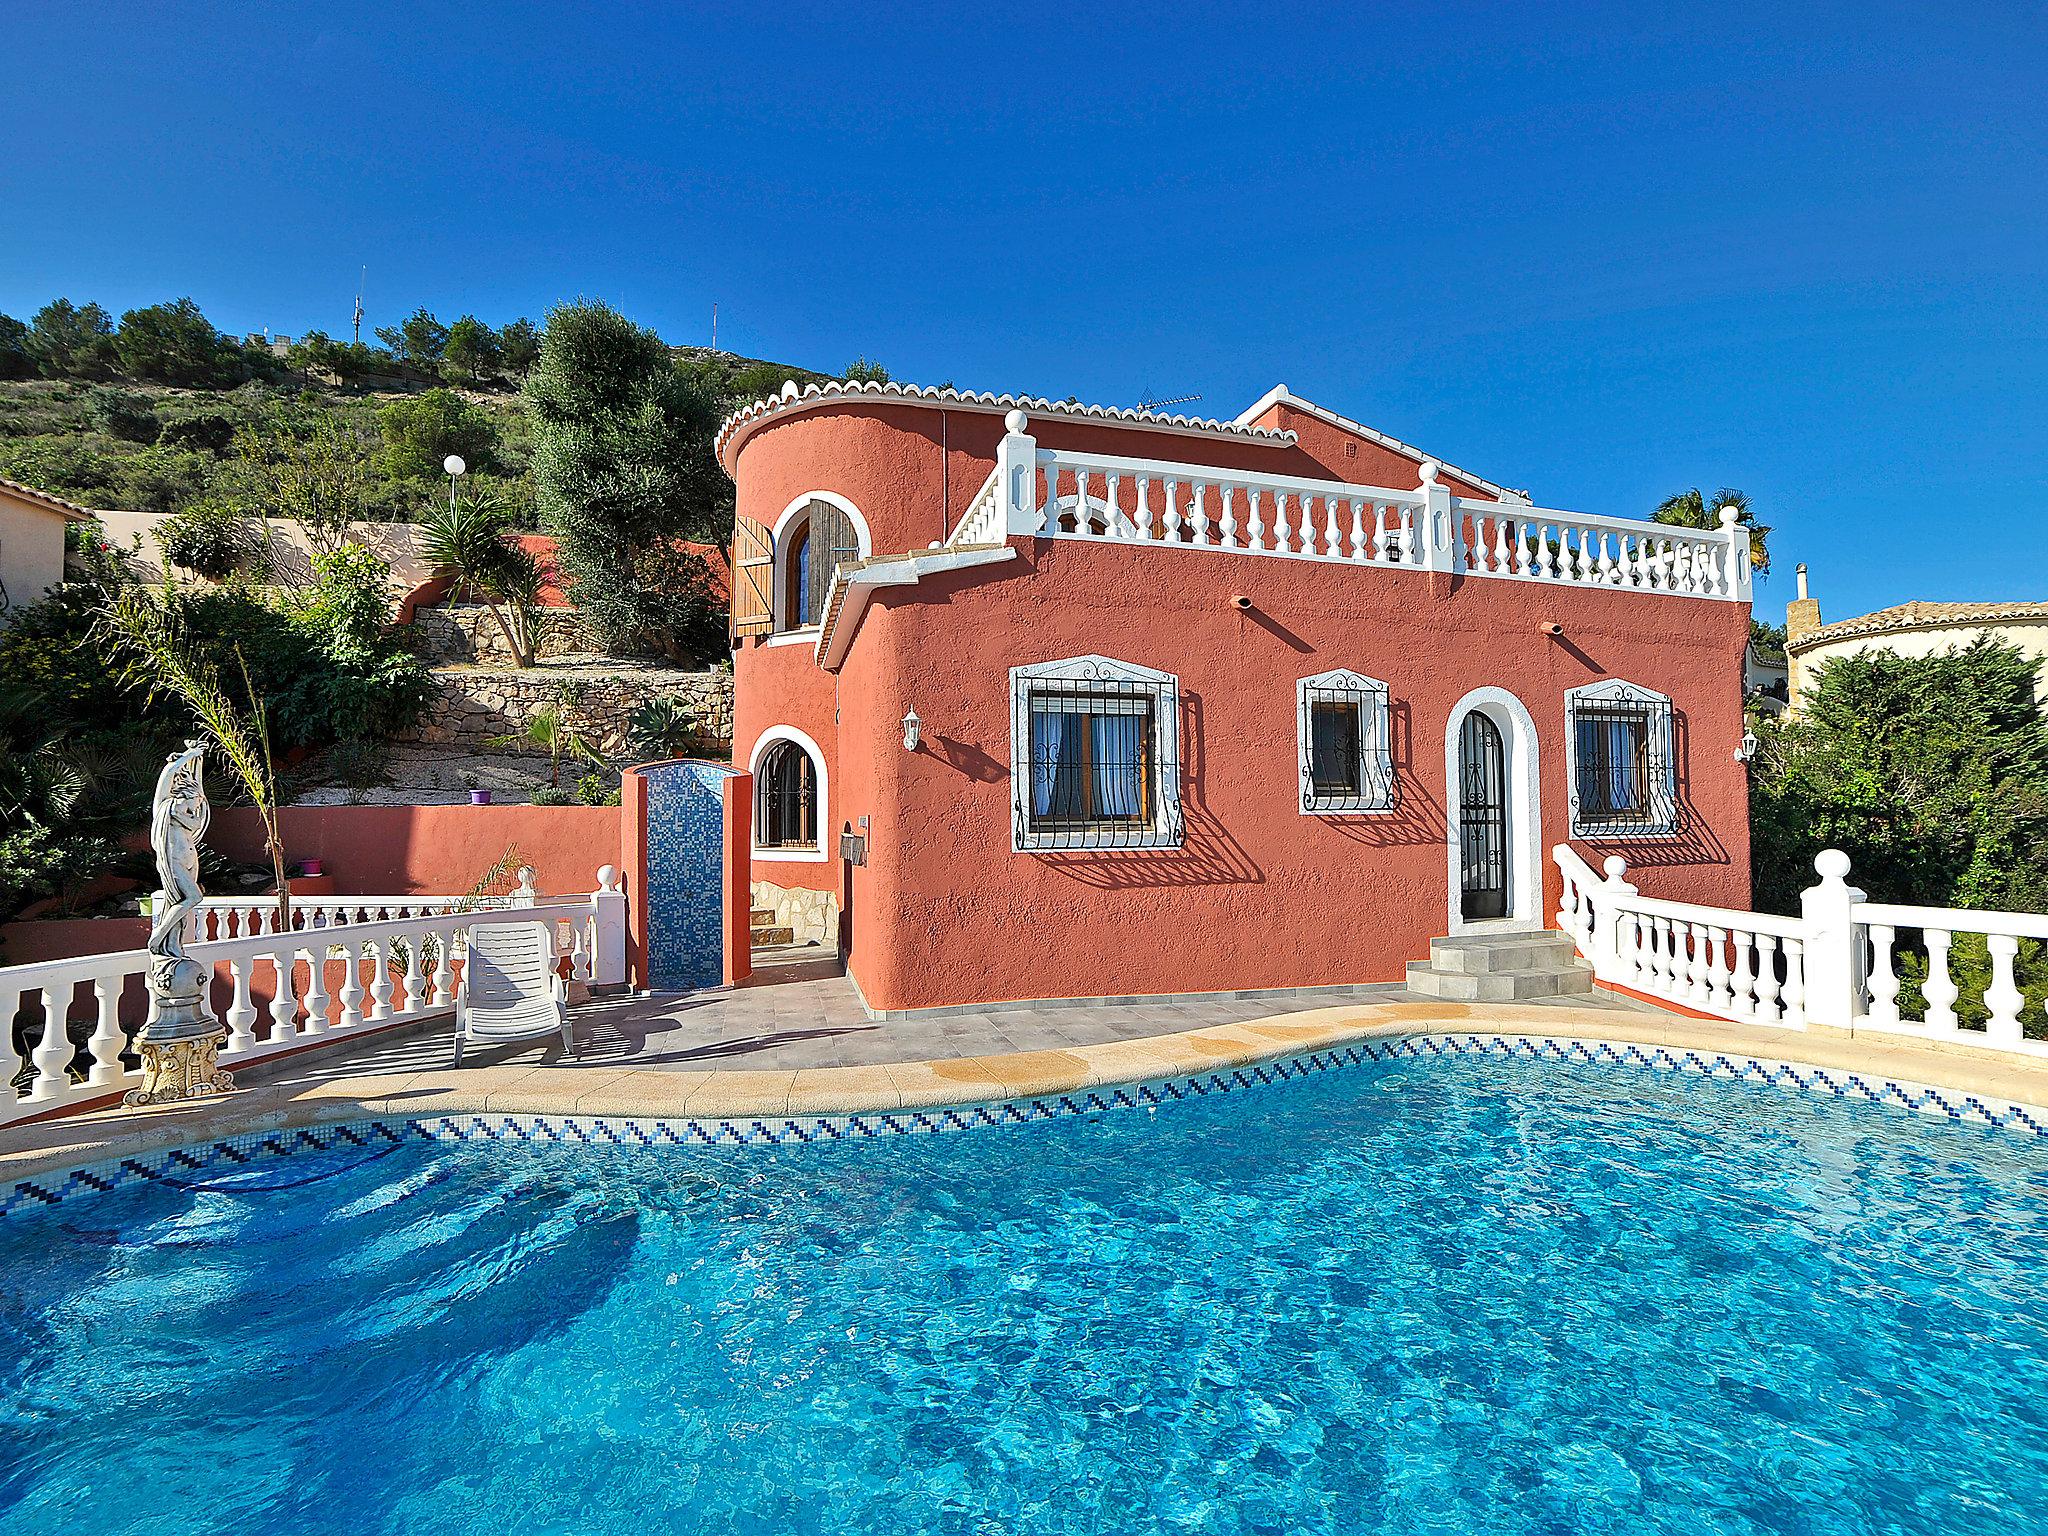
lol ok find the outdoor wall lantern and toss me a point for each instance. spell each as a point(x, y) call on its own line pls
point(1747, 750)
point(913, 731)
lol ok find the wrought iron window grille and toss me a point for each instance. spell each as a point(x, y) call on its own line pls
point(1346, 744)
point(1096, 757)
point(786, 799)
point(1624, 780)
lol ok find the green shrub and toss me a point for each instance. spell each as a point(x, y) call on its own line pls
point(592, 789)
point(547, 795)
point(125, 416)
point(209, 538)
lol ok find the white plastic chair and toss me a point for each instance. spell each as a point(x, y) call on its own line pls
point(510, 988)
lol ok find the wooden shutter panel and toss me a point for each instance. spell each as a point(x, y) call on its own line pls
point(753, 578)
point(833, 544)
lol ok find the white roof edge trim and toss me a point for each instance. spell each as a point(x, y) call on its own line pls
point(736, 427)
point(864, 581)
point(1280, 394)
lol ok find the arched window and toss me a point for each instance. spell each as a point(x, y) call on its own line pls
point(786, 798)
point(797, 571)
point(814, 539)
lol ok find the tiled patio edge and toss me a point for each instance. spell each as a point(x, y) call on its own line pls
point(746, 1107)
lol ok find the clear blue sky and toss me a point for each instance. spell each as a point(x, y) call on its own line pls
point(1591, 250)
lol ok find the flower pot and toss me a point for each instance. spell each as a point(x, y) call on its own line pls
point(310, 867)
point(479, 797)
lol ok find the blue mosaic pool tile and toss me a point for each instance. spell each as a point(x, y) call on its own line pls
point(197, 1165)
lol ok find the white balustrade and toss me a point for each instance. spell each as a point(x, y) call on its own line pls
point(1065, 494)
point(243, 917)
point(1744, 966)
point(392, 970)
point(1993, 1015)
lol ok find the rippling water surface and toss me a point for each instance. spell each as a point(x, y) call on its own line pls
point(1461, 1297)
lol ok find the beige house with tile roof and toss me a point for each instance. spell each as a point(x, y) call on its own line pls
point(32, 527)
point(1905, 629)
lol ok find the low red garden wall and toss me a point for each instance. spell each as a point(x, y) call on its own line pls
point(440, 850)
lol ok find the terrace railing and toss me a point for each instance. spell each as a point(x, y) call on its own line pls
point(325, 981)
point(1065, 494)
point(239, 917)
point(1843, 962)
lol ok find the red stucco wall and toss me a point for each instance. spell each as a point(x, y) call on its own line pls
point(403, 850)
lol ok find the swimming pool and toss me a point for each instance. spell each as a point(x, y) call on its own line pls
point(1461, 1296)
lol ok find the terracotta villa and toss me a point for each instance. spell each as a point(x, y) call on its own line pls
point(1102, 703)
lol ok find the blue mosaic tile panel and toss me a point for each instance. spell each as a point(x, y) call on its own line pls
point(207, 1164)
point(685, 875)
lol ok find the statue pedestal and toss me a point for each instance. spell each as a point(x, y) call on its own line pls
point(181, 1046)
point(174, 1070)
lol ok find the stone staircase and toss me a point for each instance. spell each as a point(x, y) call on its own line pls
point(766, 934)
point(1501, 968)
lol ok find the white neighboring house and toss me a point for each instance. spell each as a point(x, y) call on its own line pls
point(1906, 629)
point(32, 527)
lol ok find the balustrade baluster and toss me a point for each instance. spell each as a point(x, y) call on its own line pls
point(1227, 525)
point(1940, 990)
point(2003, 998)
point(1112, 512)
point(1199, 502)
point(1503, 562)
point(1257, 518)
point(12, 1062)
point(1742, 984)
point(1719, 995)
point(241, 1011)
point(1696, 965)
point(1080, 505)
point(1358, 546)
point(1767, 978)
point(1141, 524)
point(1637, 956)
point(415, 999)
point(1884, 980)
point(351, 985)
point(1283, 535)
point(284, 1002)
point(1795, 983)
point(106, 1040)
point(1610, 568)
point(53, 1052)
point(444, 967)
point(316, 991)
point(380, 979)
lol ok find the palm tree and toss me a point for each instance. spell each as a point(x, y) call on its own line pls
point(1689, 509)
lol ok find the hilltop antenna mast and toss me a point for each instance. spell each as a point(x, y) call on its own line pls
point(1149, 404)
point(714, 325)
point(358, 336)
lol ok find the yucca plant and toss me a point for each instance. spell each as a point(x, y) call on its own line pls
point(146, 627)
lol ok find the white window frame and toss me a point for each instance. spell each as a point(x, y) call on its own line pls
point(797, 512)
point(1663, 752)
point(1375, 739)
point(788, 855)
point(1168, 827)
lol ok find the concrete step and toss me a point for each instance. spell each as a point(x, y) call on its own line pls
point(768, 938)
point(1479, 953)
point(1498, 986)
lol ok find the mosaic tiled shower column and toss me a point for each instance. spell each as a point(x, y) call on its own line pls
point(685, 875)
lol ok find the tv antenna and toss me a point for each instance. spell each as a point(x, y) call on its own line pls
point(1149, 404)
point(360, 282)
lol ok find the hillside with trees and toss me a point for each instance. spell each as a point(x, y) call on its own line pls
point(159, 411)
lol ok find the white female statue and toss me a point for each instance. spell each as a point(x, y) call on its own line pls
point(180, 1041)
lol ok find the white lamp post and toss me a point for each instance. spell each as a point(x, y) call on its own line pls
point(456, 469)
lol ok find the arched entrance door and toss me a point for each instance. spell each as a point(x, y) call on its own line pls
point(1483, 841)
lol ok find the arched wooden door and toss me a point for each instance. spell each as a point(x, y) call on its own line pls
point(1482, 820)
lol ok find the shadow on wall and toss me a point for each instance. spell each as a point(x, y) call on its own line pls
point(1694, 843)
point(1209, 856)
point(1417, 819)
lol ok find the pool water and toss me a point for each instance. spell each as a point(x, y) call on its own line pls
point(1466, 1296)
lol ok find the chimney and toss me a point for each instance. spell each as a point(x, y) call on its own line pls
point(1802, 614)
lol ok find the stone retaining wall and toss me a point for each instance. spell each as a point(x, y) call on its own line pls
point(466, 633)
point(811, 916)
point(472, 705)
